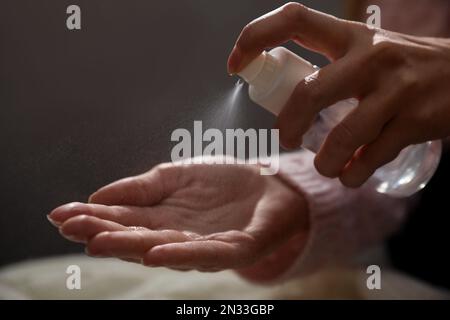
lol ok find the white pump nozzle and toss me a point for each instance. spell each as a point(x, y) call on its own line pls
point(254, 68)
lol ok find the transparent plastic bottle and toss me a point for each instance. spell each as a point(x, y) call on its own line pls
point(272, 78)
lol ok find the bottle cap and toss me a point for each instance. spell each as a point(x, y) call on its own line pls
point(252, 70)
point(261, 71)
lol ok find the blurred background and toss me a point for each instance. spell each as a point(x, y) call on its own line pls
point(79, 109)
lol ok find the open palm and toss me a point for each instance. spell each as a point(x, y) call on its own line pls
point(187, 216)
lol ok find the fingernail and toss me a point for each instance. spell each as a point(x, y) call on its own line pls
point(60, 214)
point(53, 222)
point(291, 144)
point(71, 237)
point(91, 198)
point(234, 61)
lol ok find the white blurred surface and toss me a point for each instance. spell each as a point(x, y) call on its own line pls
point(114, 279)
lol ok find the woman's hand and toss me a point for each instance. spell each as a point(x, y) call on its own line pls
point(191, 216)
point(402, 82)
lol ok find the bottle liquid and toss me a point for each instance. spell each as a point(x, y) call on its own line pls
point(272, 78)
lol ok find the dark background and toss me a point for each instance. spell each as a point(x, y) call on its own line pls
point(79, 109)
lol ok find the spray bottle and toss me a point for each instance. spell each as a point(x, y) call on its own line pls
point(272, 78)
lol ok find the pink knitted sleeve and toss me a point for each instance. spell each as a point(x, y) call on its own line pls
point(343, 222)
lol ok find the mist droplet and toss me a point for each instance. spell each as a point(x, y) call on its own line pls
point(235, 93)
point(226, 107)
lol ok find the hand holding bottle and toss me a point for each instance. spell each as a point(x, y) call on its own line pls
point(401, 82)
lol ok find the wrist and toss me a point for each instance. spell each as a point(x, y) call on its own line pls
point(275, 265)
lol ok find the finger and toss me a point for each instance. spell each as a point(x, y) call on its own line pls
point(211, 255)
point(333, 83)
point(128, 216)
point(180, 269)
point(310, 28)
point(82, 228)
point(373, 156)
point(360, 127)
point(138, 261)
point(131, 244)
point(143, 190)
